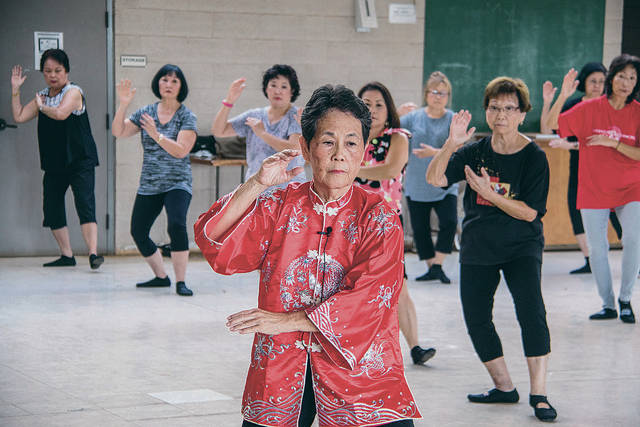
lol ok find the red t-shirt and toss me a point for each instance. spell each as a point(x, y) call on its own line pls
point(606, 177)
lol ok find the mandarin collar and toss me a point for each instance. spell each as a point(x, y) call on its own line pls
point(322, 207)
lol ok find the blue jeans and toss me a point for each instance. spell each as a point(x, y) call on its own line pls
point(595, 226)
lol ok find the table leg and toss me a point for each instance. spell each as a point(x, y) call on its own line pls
point(217, 182)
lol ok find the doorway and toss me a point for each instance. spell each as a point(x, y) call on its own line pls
point(87, 42)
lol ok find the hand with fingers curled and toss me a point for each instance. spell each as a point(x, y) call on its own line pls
point(149, 125)
point(563, 143)
point(425, 151)
point(602, 140)
point(261, 321)
point(255, 124)
point(274, 168)
point(481, 184)
point(235, 90)
point(406, 108)
point(39, 101)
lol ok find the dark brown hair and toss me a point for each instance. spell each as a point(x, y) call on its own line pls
point(393, 120)
point(507, 86)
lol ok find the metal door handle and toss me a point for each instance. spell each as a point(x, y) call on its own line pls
point(3, 125)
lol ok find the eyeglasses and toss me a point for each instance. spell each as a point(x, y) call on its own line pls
point(438, 94)
point(508, 110)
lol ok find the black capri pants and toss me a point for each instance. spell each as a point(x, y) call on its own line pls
point(81, 178)
point(420, 217)
point(145, 211)
point(478, 284)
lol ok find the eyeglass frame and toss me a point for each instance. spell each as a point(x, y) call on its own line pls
point(437, 93)
point(509, 110)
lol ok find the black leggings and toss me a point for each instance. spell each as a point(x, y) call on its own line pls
point(478, 284)
point(420, 216)
point(145, 211)
point(308, 409)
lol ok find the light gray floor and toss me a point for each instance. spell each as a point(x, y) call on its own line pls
point(85, 348)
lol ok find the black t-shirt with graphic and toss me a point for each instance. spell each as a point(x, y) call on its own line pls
point(489, 235)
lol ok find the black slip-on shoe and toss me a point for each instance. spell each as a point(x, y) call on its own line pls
point(495, 396)
point(156, 282)
point(605, 313)
point(543, 414)
point(63, 261)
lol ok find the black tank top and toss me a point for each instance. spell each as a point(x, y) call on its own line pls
point(63, 143)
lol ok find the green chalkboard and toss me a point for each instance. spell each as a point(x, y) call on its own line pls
point(473, 41)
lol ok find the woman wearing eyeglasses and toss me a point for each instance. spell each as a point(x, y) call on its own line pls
point(508, 183)
point(608, 132)
point(591, 78)
point(430, 129)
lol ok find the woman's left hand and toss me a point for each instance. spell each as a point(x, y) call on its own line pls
point(425, 151)
point(602, 140)
point(149, 125)
point(480, 184)
point(258, 320)
point(39, 101)
point(255, 124)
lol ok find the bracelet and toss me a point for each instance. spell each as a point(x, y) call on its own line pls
point(15, 93)
point(227, 104)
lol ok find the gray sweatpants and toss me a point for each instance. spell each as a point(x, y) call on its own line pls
point(595, 226)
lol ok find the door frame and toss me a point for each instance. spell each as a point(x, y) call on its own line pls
point(111, 148)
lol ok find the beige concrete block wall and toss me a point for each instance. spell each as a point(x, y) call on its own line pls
point(612, 31)
point(217, 41)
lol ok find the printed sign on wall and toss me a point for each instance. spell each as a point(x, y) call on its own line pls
point(43, 40)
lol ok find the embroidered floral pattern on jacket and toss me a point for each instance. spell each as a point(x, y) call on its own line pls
point(350, 227)
point(296, 221)
point(381, 221)
point(265, 348)
point(385, 293)
point(300, 288)
point(372, 364)
point(269, 198)
point(321, 317)
point(323, 209)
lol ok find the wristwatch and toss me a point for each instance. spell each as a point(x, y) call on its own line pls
point(160, 137)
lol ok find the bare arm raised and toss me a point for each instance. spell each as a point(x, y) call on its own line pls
point(569, 85)
point(272, 172)
point(21, 114)
point(458, 135)
point(122, 127)
point(548, 93)
point(221, 126)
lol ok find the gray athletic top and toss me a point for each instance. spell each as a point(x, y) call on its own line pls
point(257, 149)
point(161, 172)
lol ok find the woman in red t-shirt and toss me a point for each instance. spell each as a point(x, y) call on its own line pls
point(608, 132)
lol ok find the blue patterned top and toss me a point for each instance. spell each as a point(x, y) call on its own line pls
point(257, 149)
point(161, 172)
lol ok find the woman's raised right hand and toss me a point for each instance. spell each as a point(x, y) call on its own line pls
point(458, 133)
point(274, 168)
point(235, 90)
point(569, 83)
point(17, 78)
point(125, 91)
